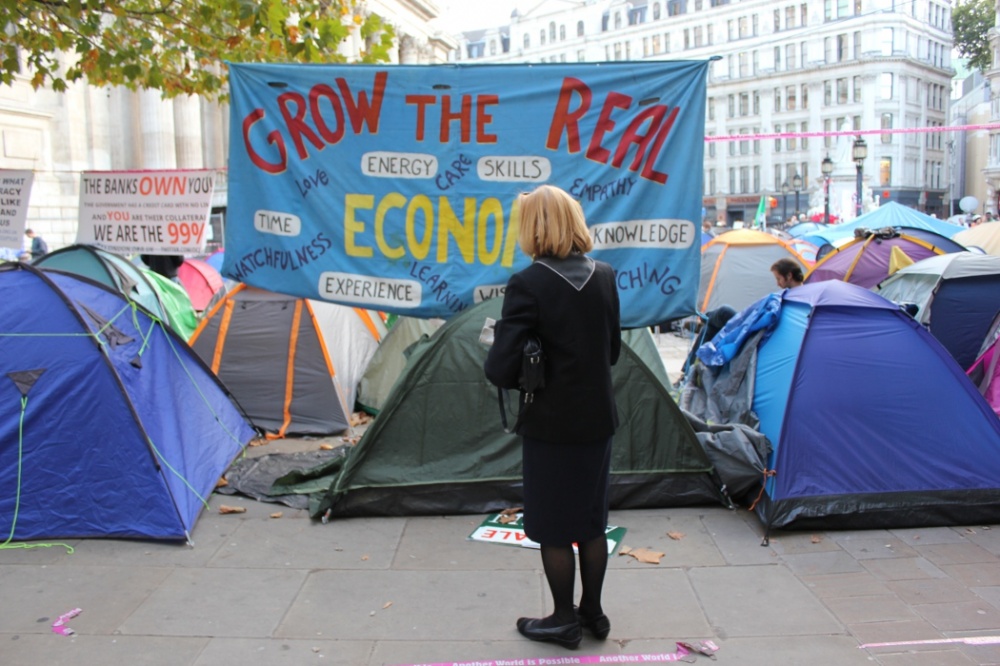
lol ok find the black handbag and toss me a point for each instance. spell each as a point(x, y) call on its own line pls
point(530, 379)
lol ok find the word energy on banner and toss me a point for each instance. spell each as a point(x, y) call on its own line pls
point(15, 189)
point(145, 212)
point(396, 188)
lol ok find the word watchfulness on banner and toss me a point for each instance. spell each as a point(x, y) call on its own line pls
point(397, 188)
point(149, 212)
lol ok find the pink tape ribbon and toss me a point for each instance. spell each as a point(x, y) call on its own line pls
point(59, 626)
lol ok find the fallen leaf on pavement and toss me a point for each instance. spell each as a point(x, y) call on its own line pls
point(387, 604)
point(513, 511)
point(815, 538)
point(231, 509)
point(277, 514)
point(221, 483)
point(364, 558)
point(676, 536)
point(326, 447)
point(644, 555)
point(503, 520)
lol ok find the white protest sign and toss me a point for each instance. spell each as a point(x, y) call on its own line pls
point(15, 190)
point(147, 212)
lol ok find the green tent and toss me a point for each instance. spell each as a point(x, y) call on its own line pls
point(437, 446)
point(389, 360)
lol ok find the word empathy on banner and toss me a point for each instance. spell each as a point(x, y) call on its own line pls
point(15, 189)
point(148, 212)
point(506, 529)
point(396, 188)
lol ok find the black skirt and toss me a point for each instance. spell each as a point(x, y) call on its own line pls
point(565, 490)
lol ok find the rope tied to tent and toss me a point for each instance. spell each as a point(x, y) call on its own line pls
point(166, 463)
point(7, 545)
point(768, 473)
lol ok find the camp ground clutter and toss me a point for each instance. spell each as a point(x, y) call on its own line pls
point(823, 406)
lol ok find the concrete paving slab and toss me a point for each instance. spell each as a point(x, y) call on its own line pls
point(990, 594)
point(89, 650)
point(282, 652)
point(52, 551)
point(652, 602)
point(815, 650)
point(442, 544)
point(406, 653)
point(815, 564)
point(923, 536)
point(308, 544)
point(107, 596)
point(961, 616)
point(952, 657)
point(956, 553)
point(797, 543)
point(931, 591)
point(982, 654)
point(693, 546)
point(216, 602)
point(831, 586)
point(879, 547)
point(974, 575)
point(855, 610)
point(481, 605)
point(896, 631)
point(737, 538)
point(907, 568)
point(123, 553)
point(760, 601)
point(985, 537)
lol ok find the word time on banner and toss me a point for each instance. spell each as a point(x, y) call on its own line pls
point(145, 212)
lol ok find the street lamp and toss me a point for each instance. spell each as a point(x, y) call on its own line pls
point(797, 185)
point(859, 152)
point(827, 169)
point(784, 202)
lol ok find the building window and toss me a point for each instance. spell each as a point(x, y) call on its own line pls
point(790, 98)
point(790, 143)
point(885, 172)
point(618, 20)
point(777, 20)
point(857, 46)
point(789, 17)
point(711, 181)
point(687, 38)
point(857, 89)
point(885, 85)
point(756, 179)
point(827, 129)
point(527, 41)
point(744, 104)
point(842, 91)
point(732, 179)
point(541, 37)
point(804, 54)
point(732, 106)
point(777, 58)
point(708, 34)
point(744, 180)
point(805, 139)
point(804, 12)
point(656, 11)
point(711, 146)
point(777, 142)
point(697, 36)
point(777, 100)
point(744, 145)
point(581, 56)
point(805, 95)
point(744, 27)
point(886, 124)
point(552, 31)
point(755, 25)
point(493, 47)
point(756, 103)
point(827, 93)
point(790, 56)
point(579, 28)
point(828, 49)
point(562, 33)
point(841, 48)
point(732, 29)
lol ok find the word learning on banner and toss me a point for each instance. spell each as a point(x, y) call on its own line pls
point(148, 212)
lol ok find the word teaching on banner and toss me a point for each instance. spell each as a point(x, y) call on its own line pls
point(396, 188)
point(146, 212)
point(15, 190)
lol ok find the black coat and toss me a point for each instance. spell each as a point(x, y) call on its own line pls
point(572, 306)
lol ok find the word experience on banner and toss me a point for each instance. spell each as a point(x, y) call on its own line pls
point(147, 212)
point(15, 190)
point(397, 188)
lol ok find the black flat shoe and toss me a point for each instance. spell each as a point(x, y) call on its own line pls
point(567, 635)
point(599, 625)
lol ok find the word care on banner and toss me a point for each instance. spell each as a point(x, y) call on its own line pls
point(15, 190)
point(146, 212)
point(397, 188)
point(507, 530)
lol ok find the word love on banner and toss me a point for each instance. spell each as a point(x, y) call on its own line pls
point(145, 212)
point(397, 188)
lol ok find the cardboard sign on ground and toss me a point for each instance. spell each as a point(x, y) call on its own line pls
point(508, 530)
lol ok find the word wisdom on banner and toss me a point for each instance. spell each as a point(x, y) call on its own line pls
point(397, 188)
point(148, 212)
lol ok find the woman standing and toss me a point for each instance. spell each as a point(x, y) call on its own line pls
point(570, 302)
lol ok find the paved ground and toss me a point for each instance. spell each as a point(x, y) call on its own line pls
point(256, 590)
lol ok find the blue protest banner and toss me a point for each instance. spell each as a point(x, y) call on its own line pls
point(396, 187)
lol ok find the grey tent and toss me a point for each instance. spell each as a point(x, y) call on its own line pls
point(437, 445)
point(389, 359)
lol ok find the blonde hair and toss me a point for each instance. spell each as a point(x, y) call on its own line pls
point(552, 224)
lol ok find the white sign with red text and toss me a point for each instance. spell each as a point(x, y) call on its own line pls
point(146, 212)
point(508, 530)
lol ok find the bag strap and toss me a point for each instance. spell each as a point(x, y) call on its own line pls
point(503, 412)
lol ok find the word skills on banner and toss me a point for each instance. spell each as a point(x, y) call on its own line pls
point(396, 187)
point(145, 212)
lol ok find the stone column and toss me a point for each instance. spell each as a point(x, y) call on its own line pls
point(187, 132)
point(156, 124)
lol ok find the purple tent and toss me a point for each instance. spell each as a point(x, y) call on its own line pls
point(865, 261)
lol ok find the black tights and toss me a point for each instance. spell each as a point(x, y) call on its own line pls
point(559, 564)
